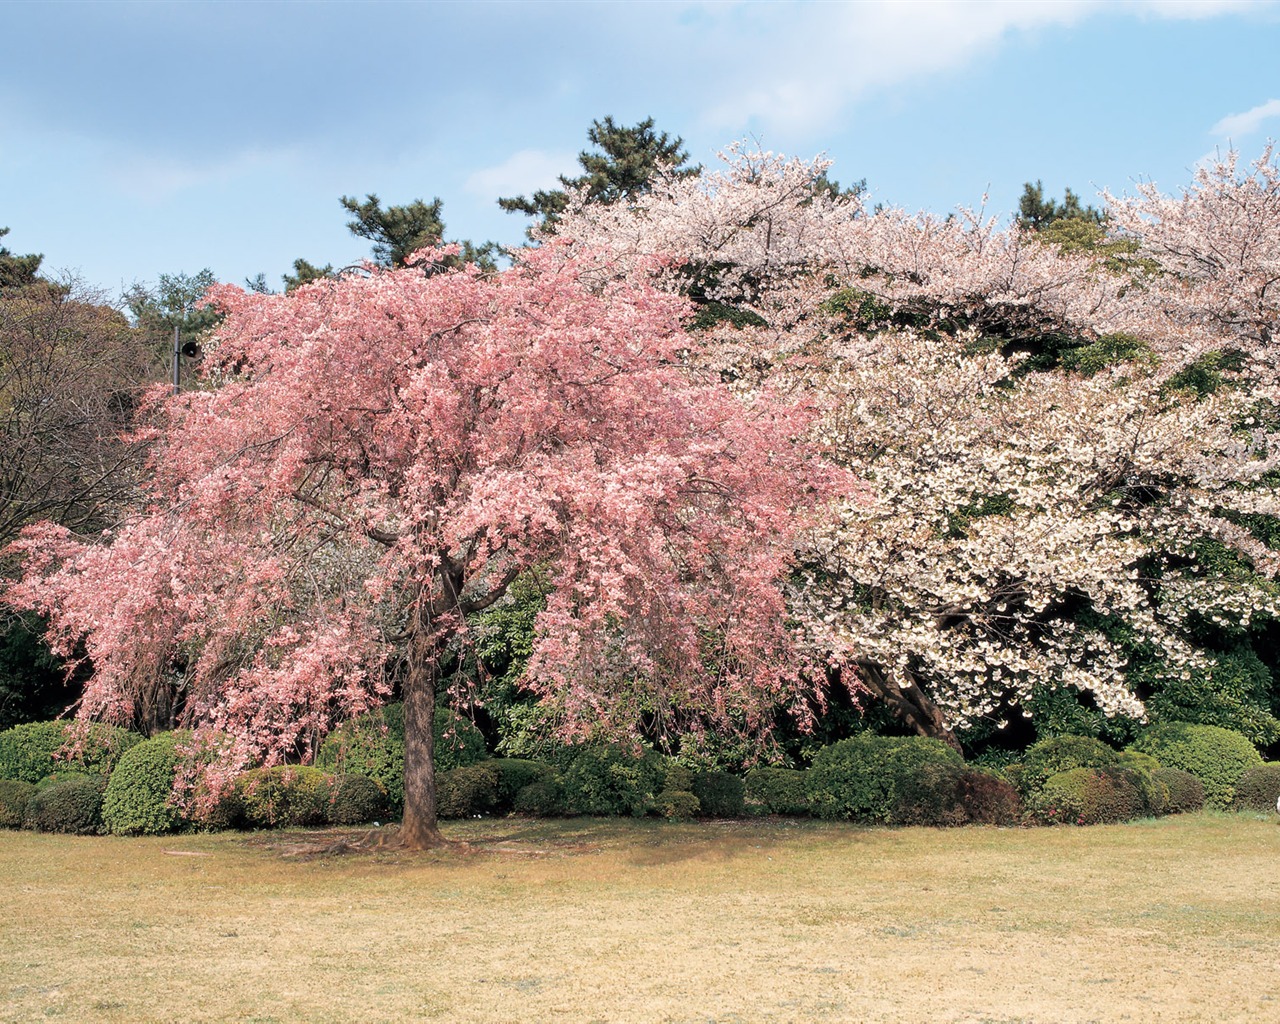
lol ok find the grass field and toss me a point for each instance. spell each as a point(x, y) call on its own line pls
point(1172, 920)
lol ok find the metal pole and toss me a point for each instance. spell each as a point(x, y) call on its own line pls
point(177, 362)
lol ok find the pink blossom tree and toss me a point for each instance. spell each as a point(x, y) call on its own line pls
point(374, 458)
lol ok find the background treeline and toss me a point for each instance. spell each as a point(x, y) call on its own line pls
point(74, 368)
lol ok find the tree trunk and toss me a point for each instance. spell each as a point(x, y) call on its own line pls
point(909, 703)
point(419, 829)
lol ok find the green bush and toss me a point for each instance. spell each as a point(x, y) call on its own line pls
point(1090, 796)
point(858, 777)
point(373, 745)
point(677, 778)
point(1258, 788)
point(514, 774)
point(355, 799)
point(609, 779)
point(73, 805)
point(14, 796)
point(138, 799)
point(678, 803)
point(1217, 757)
point(720, 795)
point(1060, 754)
point(929, 796)
point(466, 791)
point(27, 752)
point(284, 796)
point(541, 799)
point(1186, 792)
point(777, 791)
point(943, 794)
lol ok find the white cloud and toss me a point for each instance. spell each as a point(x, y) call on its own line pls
point(520, 174)
point(1235, 126)
point(822, 58)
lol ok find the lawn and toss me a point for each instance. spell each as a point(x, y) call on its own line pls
point(646, 921)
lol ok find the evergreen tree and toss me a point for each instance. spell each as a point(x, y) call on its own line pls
point(17, 271)
point(621, 169)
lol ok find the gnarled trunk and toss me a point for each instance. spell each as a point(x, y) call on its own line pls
point(908, 702)
point(419, 829)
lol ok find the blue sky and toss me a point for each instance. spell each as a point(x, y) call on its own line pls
point(140, 138)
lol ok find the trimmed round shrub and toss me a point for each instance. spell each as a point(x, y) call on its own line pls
point(929, 796)
point(1090, 796)
point(610, 779)
point(139, 795)
point(988, 799)
point(73, 806)
point(541, 799)
point(1060, 754)
point(373, 745)
point(678, 803)
point(858, 777)
point(285, 796)
point(720, 794)
point(777, 791)
point(1258, 788)
point(28, 752)
point(14, 796)
point(1217, 757)
point(467, 791)
point(355, 799)
point(677, 778)
point(1186, 792)
point(514, 774)
point(944, 794)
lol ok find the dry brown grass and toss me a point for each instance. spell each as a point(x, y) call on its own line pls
point(1177, 920)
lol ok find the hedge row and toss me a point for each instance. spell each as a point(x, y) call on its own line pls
point(121, 784)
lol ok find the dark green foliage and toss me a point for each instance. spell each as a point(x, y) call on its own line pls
point(541, 799)
point(677, 777)
point(373, 745)
point(1185, 791)
point(1234, 694)
point(609, 779)
point(284, 796)
point(33, 685)
point(28, 752)
point(73, 805)
point(1258, 788)
point(356, 799)
point(138, 796)
point(174, 302)
point(397, 232)
point(777, 791)
point(1035, 212)
point(18, 271)
point(14, 796)
point(457, 741)
point(1096, 356)
point(720, 794)
point(514, 774)
point(621, 170)
point(928, 796)
point(678, 804)
point(1060, 754)
point(304, 272)
point(467, 791)
point(1217, 757)
point(1207, 374)
point(942, 794)
point(1090, 796)
point(858, 777)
